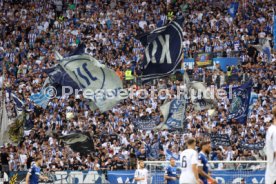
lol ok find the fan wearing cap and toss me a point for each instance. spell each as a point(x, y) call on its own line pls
point(203, 169)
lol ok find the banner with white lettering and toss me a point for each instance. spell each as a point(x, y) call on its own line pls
point(65, 177)
point(163, 50)
point(146, 123)
point(222, 177)
point(220, 140)
point(252, 146)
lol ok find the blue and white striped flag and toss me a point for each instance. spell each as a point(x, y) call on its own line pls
point(40, 99)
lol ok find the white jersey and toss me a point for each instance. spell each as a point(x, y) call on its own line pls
point(187, 159)
point(141, 173)
point(270, 148)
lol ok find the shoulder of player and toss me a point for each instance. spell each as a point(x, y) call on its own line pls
point(271, 130)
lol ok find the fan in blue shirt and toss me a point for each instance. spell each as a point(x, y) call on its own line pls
point(203, 167)
point(34, 175)
point(171, 173)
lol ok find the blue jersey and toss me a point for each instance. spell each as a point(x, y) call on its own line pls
point(171, 172)
point(204, 163)
point(35, 173)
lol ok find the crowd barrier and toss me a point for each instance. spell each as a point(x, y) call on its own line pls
point(127, 176)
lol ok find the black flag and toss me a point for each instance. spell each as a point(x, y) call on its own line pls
point(79, 142)
point(163, 50)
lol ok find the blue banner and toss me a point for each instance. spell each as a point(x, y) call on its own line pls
point(253, 99)
point(239, 98)
point(222, 177)
point(65, 177)
point(124, 177)
point(274, 33)
point(233, 9)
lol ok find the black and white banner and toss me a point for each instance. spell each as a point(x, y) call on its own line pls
point(252, 146)
point(146, 123)
point(220, 140)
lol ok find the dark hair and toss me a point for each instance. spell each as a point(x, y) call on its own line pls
point(191, 141)
point(203, 143)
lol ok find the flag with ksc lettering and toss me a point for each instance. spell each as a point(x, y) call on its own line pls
point(163, 50)
point(100, 84)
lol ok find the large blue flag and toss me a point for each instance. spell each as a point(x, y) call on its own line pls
point(163, 50)
point(233, 9)
point(239, 98)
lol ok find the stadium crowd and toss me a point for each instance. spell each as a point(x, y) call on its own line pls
point(31, 31)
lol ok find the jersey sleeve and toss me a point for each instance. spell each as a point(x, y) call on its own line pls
point(274, 141)
point(37, 171)
point(200, 160)
point(136, 174)
point(194, 159)
point(30, 171)
point(167, 171)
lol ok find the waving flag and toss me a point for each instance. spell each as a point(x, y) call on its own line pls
point(163, 50)
point(174, 113)
point(265, 48)
point(239, 98)
point(233, 9)
point(40, 99)
point(18, 104)
point(79, 142)
point(101, 84)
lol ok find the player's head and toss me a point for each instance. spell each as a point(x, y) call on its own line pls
point(205, 146)
point(38, 160)
point(191, 143)
point(141, 164)
point(172, 162)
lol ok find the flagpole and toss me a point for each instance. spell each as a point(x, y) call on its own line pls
point(2, 105)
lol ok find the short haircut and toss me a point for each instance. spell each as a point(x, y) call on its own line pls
point(203, 143)
point(191, 141)
point(274, 111)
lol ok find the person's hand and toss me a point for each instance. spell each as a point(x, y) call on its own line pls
point(45, 178)
point(213, 181)
point(199, 181)
point(173, 178)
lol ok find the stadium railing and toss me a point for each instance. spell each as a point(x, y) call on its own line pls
point(225, 172)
